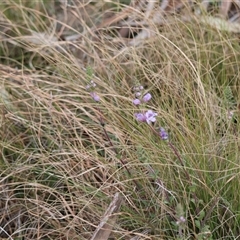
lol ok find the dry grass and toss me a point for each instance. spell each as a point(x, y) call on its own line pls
point(59, 169)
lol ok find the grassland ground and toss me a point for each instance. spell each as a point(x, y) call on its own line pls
point(76, 162)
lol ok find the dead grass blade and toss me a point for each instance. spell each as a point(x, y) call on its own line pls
point(104, 229)
point(141, 236)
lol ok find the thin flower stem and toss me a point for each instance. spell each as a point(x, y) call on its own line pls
point(176, 153)
point(180, 160)
point(182, 164)
point(114, 149)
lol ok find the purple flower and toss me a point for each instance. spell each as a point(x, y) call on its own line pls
point(92, 84)
point(163, 134)
point(137, 94)
point(136, 102)
point(150, 116)
point(147, 97)
point(181, 220)
point(95, 96)
point(135, 89)
point(139, 88)
point(140, 117)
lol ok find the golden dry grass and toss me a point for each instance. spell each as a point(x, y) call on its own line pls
point(59, 169)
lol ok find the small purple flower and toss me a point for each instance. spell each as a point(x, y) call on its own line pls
point(95, 96)
point(163, 134)
point(181, 220)
point(147, 97)
point(92, 84)
point(136, 101)
point(140, 117)
point(87, 87)
point(137, 94)
point(150, 116)
point(139, 88)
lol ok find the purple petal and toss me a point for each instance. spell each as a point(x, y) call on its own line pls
point(150, 113)
point(150, 116)
point(182, 219)
point(140, 117)
point(163, 134)
point(147, 97)
point(137, 94)
point(136, 102)
point(92, 84)
point(95, 96)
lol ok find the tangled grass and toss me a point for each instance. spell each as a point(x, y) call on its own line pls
point(64, 156)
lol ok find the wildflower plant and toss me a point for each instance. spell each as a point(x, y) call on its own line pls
point(67, 147)
point(148, 116)
point(91, 86)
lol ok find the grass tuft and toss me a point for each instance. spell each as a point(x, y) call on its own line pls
point(64, 156)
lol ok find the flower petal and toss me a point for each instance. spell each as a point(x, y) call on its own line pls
point(150, 116)
point(163, 134)
point(136, 101)
point(95, 96)
point(147, 97)
point(140, 117)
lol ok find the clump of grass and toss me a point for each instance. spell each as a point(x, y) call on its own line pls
point(66, 150)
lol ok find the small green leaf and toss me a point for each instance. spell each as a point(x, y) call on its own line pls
point(192, 188)
point(201, 215)
point(89, 72)
point(197, 224)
